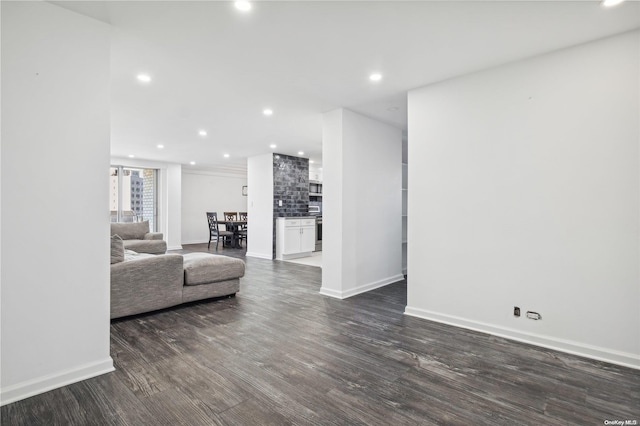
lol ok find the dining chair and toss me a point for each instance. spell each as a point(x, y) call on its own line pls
point(231, 226)
point(214, 230)
point(243, 229)
point(230, 216)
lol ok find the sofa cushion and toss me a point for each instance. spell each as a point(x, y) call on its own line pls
point(146, 246)
point(130, 231)
point(117, 249)
point(153, 236)
point(204, 268)
point(130, 255)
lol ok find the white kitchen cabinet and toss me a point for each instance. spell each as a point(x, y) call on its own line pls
point(295, 237)
point(308, 236)
point(315, 172)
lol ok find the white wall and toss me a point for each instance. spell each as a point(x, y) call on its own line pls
point(362, 204)
point(169, 196)
point(203, 192)
point(525, 192)
point(260, 206)
point(55, 219)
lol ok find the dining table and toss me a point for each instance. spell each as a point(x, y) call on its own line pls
point(235, 226)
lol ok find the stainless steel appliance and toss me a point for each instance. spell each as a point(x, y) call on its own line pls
point(315, 188)
point(315, 208)
point(318, 233)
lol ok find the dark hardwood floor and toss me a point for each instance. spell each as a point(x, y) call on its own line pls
point(280, 353)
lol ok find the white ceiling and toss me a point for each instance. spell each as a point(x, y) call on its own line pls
point(215, 68)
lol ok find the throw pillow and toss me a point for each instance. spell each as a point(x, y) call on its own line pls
point(117, 249)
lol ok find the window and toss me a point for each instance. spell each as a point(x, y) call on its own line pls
point(133, 197)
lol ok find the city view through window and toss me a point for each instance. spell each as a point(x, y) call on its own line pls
point(132, 195)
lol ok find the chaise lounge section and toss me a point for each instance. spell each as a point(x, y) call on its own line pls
point(142, 282)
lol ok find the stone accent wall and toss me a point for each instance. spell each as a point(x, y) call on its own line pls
point(291, 185)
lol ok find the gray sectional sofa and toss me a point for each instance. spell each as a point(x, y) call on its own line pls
point(136, 237)
point(142, 282)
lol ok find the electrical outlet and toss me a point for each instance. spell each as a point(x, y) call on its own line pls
point(516, 311)
point(533, 315)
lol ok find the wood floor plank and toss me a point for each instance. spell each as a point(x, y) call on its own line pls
point(41, 410)
point(201, 383)
point(93, 397)
point(251, 412)
point(279, 353)
point(173, 407)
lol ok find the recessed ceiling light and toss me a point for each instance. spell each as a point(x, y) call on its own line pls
point(375, 77)
point(193, 163)
point(300, 152)
point(393, 108)
point(267, 111)
point(610, 3)
point(202, 133)
point(311, 161)
point(243, 6)
point(131, 156)
point(145, 78)
point(160, 146)
point(272, 146)
point(226, 156)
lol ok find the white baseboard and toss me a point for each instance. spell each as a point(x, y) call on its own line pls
point(198, 242)
point(49, 382)
point(294, 256)
point(362, 288)
point(331, 293)
point(259, 255)
point(178, 247)
point(575, 348)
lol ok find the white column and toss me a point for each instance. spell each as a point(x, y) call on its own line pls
point(260, 206)
point(55, 199)
point(174, 206)
point(362, 204)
